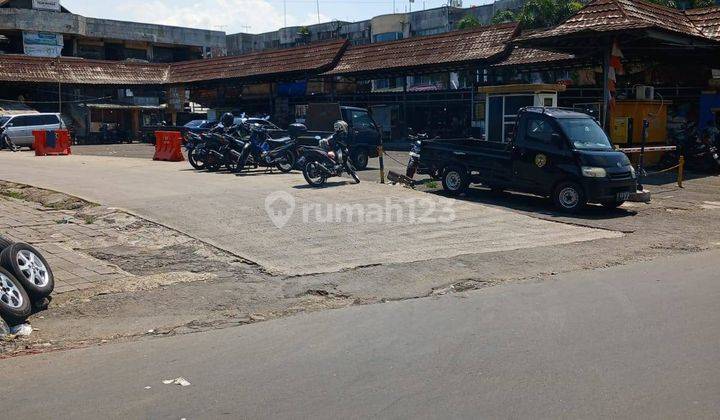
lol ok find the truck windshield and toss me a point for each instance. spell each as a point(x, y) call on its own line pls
point(585, 134)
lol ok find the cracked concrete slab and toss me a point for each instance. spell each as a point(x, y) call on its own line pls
point(229, 211)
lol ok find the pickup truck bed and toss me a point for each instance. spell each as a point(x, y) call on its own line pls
point(495, 158)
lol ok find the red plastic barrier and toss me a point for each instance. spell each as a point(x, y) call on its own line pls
point(168, 146)
point(51, 143)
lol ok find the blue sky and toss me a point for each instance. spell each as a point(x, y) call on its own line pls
point(242, 15)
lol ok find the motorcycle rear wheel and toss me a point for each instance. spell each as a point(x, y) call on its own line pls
point(313, 175)
point(213, 164)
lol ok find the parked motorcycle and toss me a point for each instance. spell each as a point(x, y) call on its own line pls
point(700, 150)
point(194, 145)
point(260, 150)
point(329, 159)
point(215, 152)
point(414, 161)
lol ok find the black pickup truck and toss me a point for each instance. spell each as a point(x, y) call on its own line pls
point(556, 153)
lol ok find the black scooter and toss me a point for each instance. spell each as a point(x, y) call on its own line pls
point(329, 159)
point(261, 150)
point(414, 161)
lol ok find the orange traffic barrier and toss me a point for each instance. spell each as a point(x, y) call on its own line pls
point(51, 143)
point(168, 146)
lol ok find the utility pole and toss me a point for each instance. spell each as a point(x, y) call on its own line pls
point(285, 11)
point(317, 3)
point(59, 86)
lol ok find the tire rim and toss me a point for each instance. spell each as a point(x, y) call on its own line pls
point(196, 156)
point(10, 293)
point(453, 180)
point(287, 164)
point(362, 159)
point(569, 197)
point(313, 174)
point(32, 268)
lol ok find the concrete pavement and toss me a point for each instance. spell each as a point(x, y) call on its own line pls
point(331, 229)
point(639, 341)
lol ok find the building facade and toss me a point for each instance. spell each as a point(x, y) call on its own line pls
point(381, 28)
point(50, 30)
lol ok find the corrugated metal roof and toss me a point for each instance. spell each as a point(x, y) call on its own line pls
point(602, 16)
point(21, 68)
point(313, 58)
point(520, 56)
point(448, 49)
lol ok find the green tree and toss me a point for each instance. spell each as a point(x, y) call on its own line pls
point(304, 35)
point(540, 13)
point(468, 22)
point(503, 16)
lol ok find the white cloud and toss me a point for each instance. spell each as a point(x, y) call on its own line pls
point(223, 15)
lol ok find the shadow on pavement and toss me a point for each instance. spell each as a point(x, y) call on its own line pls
point(540, 207)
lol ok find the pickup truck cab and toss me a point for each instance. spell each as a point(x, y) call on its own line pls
point(364, 134)
point(553, 152)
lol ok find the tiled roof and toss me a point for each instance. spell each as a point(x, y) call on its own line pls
point(528, 56)
point(448, 49)
point(602, 16)
point(21, 68)
point(707, 20)
point(313, 58)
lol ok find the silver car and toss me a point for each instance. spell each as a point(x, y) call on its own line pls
point(20, 127)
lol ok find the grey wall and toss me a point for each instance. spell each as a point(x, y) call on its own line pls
point(71, 24)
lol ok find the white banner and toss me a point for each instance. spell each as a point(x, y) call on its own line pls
point(43, 44)
point(46, 4)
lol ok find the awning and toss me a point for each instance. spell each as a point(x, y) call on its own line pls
point(120, 106)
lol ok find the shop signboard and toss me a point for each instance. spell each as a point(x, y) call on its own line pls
point(42, 44)
point(46, 4)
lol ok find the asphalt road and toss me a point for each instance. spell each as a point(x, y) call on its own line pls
point(325, 230)
point(638, 341)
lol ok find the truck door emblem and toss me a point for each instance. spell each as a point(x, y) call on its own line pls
point(540, 160)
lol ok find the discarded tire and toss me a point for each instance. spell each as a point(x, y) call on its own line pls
point(14, 301)
point(30, 268)
point(4, 242)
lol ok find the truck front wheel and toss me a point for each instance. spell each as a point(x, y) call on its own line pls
point(455, 180)
point(360, 159)
point(569, 197)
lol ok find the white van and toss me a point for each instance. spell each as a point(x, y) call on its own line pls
point(20, 127)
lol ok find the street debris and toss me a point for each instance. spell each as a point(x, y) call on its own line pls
point(177, 381)
point(22, 330)
point(4, 329)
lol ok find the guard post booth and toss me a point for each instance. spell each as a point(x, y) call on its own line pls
point(495, 117)
point(627, 118)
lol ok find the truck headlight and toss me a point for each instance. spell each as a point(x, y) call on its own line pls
point(591, 172)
